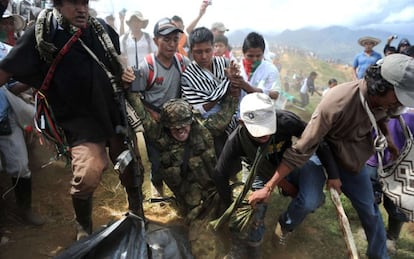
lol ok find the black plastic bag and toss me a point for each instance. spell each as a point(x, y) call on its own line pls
point(128, 238)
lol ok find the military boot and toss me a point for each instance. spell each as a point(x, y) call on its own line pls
point(23, 193)
point(83, 211)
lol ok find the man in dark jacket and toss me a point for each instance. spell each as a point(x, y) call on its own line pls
point(262, 139)
point(80, 94)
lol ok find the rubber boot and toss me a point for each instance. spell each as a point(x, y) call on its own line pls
point(394, 228)
point(134, 196)
point(393, 232)
point(83, 211)
point(23, 193)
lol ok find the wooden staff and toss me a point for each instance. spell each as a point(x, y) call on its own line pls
point(344, 223)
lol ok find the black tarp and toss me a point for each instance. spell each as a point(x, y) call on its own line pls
point(130, 237)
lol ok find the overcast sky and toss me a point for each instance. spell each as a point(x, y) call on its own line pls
point(276, 15)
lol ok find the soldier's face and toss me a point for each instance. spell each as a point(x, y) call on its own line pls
point(181, 134)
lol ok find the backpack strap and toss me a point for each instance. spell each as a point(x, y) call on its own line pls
point(179, 61)
point(150, 62)
point(152, 67)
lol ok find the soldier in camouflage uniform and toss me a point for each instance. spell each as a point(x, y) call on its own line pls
point(186, 145)
point(187, 149)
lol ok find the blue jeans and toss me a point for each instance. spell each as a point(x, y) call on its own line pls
point(310, 180)
point(358, 189)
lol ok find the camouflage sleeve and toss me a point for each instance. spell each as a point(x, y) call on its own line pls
point(217, 123)
point(152, 127)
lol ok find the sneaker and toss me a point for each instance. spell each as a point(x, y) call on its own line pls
point(281, 236)
point(157, 191)
point(392, 246)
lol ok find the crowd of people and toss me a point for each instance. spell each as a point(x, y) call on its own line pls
point(208, 120)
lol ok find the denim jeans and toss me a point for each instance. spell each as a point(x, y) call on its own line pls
point(358, 189)
point(310, 180)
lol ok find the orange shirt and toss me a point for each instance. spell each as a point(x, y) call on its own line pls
point(182, 44)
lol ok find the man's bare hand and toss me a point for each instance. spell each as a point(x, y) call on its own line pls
point(262, 195)
point(335, 184)
point(128, 76)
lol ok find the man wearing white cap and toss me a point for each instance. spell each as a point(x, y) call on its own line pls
point(345, 118)
point(265, 129)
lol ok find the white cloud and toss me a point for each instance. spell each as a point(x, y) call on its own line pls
point(405, 15)
point(271, 15)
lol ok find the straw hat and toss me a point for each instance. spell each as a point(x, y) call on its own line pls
point(19, 21)
point(138, 15)
point(365, 39)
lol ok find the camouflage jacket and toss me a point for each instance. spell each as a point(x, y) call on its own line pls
point(193, 187)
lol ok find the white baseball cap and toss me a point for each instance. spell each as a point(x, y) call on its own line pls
point(258, 114)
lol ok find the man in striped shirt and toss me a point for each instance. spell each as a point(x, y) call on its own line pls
point(206, 80)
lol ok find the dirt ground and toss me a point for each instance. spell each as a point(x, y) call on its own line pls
point(51, 198)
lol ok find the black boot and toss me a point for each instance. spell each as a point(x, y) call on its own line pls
point(394, 228)
point(135, 200)
point(83, 211)
point(23, 193)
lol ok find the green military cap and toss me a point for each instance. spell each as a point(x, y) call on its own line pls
point(176, 113)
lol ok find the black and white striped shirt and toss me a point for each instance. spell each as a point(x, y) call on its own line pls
point(200, 86)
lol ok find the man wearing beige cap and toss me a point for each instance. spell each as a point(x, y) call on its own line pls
point(365, 58)
point(218, 28)
point(269, 133)
point(135, 43)
point(345, 118)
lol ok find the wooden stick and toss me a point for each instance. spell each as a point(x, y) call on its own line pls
point(344, 223)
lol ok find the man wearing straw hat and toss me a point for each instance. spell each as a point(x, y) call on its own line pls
point(136, 44)
point(365, 58)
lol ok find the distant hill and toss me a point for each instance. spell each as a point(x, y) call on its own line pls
point(332, 43)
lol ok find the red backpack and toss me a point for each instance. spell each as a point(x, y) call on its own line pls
point(152, 74)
